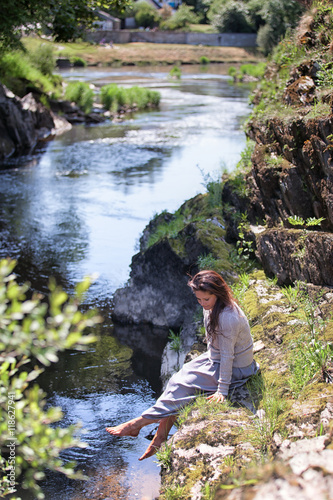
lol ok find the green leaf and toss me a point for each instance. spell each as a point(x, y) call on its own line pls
point(295, 220)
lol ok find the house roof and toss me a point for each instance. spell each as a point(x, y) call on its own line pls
point(104, 16)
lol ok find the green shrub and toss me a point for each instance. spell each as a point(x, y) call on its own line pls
point(312, 353)
point(78, 62)
point(184, 16)
point(204, 60)
point(43, 59)
point(175, 72)
point(175, 341)
point(232, 17)
point(115, 98)
point(256, 71)
point(81, 94)
point(145, 15)
point(208, 262)
point(32, 333)
point(232, 71)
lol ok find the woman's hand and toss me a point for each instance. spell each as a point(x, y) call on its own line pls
point(219, 398)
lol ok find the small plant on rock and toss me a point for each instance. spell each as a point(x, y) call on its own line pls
point(176, 341)
point(293, 293)
point(295, 220)
point(208, 262)
point(268, 418)
point(204, 60)
point(81, 94)
point(163, 456)
point(175, 72)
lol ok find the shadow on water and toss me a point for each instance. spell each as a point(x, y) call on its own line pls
point(147, 343)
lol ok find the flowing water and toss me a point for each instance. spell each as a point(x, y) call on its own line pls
point(78, 207)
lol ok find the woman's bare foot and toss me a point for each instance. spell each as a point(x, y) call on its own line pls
point(153, 447)
point(130, 428)
point(160, 437)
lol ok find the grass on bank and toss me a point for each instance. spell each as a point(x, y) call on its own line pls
point(81, 94)
point(201, 28)
point(22, 73)
point(144, 53)
point(296, 329)
point(115, 98)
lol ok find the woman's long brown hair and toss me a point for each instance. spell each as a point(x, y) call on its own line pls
point(212, 282)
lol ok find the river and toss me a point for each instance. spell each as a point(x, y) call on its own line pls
point(78, 207)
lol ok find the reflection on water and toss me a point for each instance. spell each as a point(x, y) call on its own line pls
point(78, 207)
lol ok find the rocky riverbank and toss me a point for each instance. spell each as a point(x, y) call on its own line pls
point(25, 123)
point(275, 213)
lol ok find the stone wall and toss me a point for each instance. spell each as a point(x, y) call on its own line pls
point(214, 39)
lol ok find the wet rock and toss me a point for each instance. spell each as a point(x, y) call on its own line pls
point(24, 123)
point(157, 291)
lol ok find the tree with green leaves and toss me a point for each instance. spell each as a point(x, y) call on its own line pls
point(233, 17)
point(145, 15)
point(32, 333)
point(184, 16)
point(270, 19)
point(278, 17)
point(66, 20)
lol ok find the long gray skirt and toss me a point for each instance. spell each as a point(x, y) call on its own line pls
point(199, 376)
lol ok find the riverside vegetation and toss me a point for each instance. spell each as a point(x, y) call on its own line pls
point(34, 71)
point(33, 330)
point(268, 229)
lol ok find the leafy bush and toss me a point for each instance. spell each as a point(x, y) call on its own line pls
point(255, 70)
point(232, 17)
point(145, 15)
point(43, 59)
point(184, 16)
point(278, 17)
point(312, 354)
point(32, 333)
point(208, 262)
point(175, 341)
point(81, 94)
point(204, 60)
point(175, 72)
point(78, 62)
point(115, 98)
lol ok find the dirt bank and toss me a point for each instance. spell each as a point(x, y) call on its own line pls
point(146, 53)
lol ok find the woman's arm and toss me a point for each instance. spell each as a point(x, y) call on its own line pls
point(226, 339)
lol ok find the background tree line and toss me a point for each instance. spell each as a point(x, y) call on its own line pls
point(270, 19)
point(67, 20)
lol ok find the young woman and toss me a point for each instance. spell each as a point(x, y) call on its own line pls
point(227, 364)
